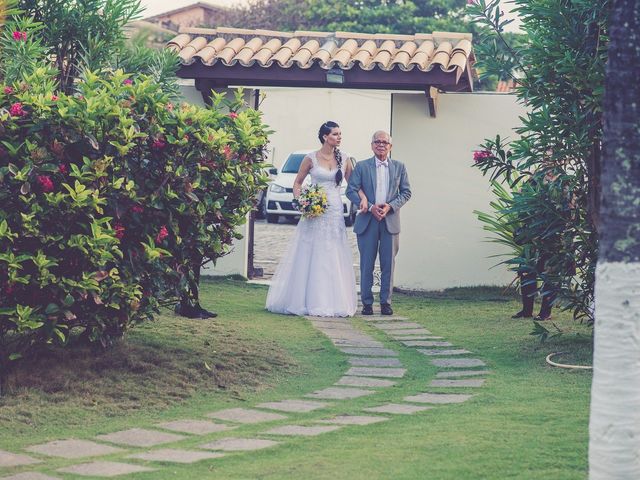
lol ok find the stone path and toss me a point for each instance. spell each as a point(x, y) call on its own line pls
point(373, 367)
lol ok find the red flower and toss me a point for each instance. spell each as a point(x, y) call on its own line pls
point(63, 169)
point(227, 152)
point(46, 185)
point(16, 110)
point(8, 90)
point(233, 115)
point(158, 144)
point(127, 81)
point(137, 209)
point(481, 155)
point(162, 234)
point(119, 229)
point(54, 97)
point(19, 35)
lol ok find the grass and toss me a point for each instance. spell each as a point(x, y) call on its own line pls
point(528, 421)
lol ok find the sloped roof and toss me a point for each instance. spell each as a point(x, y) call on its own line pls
point(204, 5)
point(389, 61)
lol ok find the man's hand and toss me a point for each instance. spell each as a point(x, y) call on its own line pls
point(380, 211)
point(364, 206)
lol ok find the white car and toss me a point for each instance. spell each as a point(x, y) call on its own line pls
point(280, 193)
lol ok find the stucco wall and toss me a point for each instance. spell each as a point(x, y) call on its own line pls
point(442, 244)
point(297, 113)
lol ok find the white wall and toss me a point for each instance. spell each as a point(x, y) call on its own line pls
point(442, 243)
point(297, 113)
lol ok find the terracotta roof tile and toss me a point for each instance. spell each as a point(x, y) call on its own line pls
point(450, 52)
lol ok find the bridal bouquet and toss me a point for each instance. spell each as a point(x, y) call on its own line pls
point(312, 201)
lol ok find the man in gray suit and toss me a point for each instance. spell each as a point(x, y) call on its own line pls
point(386, 185)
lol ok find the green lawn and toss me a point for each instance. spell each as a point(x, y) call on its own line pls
point(528, 420)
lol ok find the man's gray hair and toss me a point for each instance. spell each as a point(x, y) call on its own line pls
point(379, 132)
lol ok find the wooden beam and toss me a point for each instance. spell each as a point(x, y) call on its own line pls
point(432, 101)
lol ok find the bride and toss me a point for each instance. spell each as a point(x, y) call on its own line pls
point(315, 276)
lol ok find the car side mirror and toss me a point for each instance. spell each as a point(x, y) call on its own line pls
point(273, 171)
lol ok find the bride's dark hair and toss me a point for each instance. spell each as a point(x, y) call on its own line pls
point(325, 129)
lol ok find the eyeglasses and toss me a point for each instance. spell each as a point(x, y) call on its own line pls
point(384, 143)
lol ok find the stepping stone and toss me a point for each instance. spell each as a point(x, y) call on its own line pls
point(357, 343)
point(397, 409)
point(474, 383)
point(30, 476)
point(422, 343)
point(460, 351)
point(300, 430)
point(139, 437)
point(195, 427)
point(104, 469)
point(175, 456)
point(397, 325)
point(462, 373)
point(376, 372)
point(438, 398)
point(415, 337)
point(374, 362)
point(8, 459)
point(245, 415)
point(458, 362)
point(373, 352)
point(73, 449)
point(364, 382)
point(353, 420)
point(383, 318)
point(239, 444)
point(294, 405)
point(415, 331)
point(337, 393)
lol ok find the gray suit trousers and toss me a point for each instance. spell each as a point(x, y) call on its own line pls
point(376, 241)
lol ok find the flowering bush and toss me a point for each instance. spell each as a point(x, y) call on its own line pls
point(312, 201)
point(106, 196)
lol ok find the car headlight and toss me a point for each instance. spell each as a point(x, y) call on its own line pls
point(275, 188)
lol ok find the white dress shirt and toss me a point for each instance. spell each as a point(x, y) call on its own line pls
point(382, 180)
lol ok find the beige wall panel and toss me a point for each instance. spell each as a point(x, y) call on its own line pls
point(442, 243)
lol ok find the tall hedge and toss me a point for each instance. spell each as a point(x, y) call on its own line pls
point(106, 195)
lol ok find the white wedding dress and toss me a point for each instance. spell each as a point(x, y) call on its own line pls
point(315, 276)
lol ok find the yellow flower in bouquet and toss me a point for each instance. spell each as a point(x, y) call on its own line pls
point(312, 201)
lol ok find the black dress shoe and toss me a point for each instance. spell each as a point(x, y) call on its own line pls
point(522, 314)
point(367, 310)
point(385, 309)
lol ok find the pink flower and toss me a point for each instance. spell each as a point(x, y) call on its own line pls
point(119, 229)
point(54, 97)
point(233, 115)
point(170, 106)
point(16, 110)
point(46, 185)
point(481, 155)
point(227, 152)
point(8, 90)
point(137, 209)
point(19, 35)
point(162, 234)
point(471, 2)
point(63, 169)
point(127, 81)
point(158, 144)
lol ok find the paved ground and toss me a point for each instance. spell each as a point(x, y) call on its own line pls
point(271, 240)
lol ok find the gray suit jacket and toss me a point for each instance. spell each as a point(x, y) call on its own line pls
point(364, 177)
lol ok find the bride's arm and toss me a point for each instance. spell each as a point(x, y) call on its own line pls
point(303, 171)
point(364, 203)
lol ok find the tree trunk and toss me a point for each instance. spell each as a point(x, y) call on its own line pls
point(614, 430)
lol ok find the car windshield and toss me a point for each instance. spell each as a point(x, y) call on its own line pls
point(292, 165)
